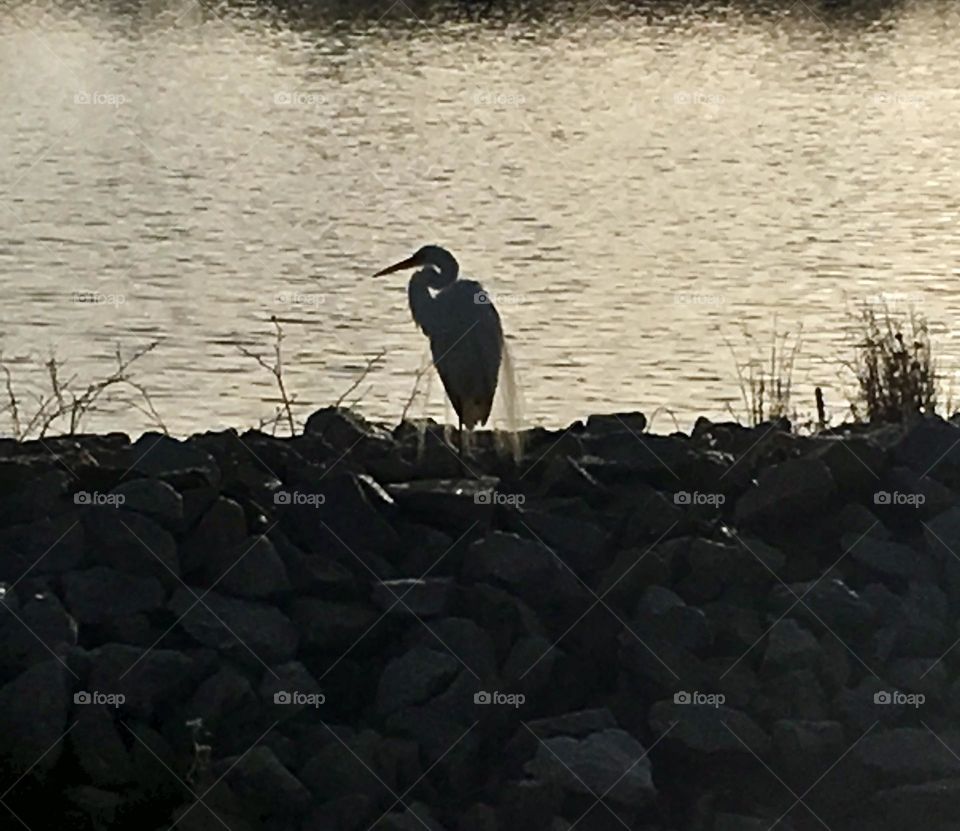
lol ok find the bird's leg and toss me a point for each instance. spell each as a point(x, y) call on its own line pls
point(460, 436)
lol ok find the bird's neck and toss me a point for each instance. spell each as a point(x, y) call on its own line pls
point(418, 291)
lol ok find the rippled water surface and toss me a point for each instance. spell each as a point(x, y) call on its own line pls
point(635, 185)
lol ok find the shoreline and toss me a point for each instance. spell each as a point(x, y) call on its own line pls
point(331, 631)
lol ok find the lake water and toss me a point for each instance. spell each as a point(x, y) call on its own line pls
point(639, 187)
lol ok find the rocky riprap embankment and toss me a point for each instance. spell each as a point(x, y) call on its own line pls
point(729, 631)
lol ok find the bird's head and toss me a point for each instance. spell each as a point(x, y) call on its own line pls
point(429, 255)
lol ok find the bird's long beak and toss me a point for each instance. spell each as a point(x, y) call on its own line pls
point(410, 262)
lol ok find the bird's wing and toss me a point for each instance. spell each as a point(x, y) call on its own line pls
point(467, 347)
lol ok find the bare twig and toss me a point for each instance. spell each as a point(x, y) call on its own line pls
point(416, 389)
point(286, 401)
point(371, 363)
point(61, 402)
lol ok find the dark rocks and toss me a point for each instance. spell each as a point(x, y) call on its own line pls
point(242, 629)
point(177, 462)
point(424, 598)
point(790, 646)
point(33, 719)
point(705, 726)
point(456, 505)
point(101, 594)
point(526, 568)
point(154, 498)
point(609, 762)
point(888, 560)
point(334, 632)
point(264, 785)
point(788, 493)
point(415, 678)
point(132, 543)
point(325, 625)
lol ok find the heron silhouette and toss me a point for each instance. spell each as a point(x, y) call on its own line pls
point(463, 327)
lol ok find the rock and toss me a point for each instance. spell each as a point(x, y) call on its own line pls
point(132, 543)
point(33, 720)
point(656, 460)
point(478, 817)
point(145, 678)
point(327, 626)
point(223, 528)
point(930, 447)
point(576, 540)
point(154, 498)
point(46, 546)
point(662, 613)
point(96, 805)
point(343, 516)
point(856, 463)
point(455, 505)
point(343, 428)
point(707, 728)
point(635, 422)
point(417, 817)
point(179, 463)
point(919, 628)
point(827, 603)
point(342, 766)
point(804, 749)
point(256, 571)
point(526, 568)
point(788, 493)
point(884, 559)
point(224, 698)
point(414, 678)
point(31, 632)
point(790, 646)
point(610, 762)
point(100, 594)
point(426, 598)
point(906, 755)
point(264, 785)
point(901, 806)
point(246, 630)
point(98, 746)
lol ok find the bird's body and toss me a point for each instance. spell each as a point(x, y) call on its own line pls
point(466, 338)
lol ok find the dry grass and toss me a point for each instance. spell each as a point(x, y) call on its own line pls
point(64, 403)
point(765, 377)
point(893, 365)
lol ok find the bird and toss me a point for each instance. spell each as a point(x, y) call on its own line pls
point(464, 330)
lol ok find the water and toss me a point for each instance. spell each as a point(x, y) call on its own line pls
point(633, 184)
